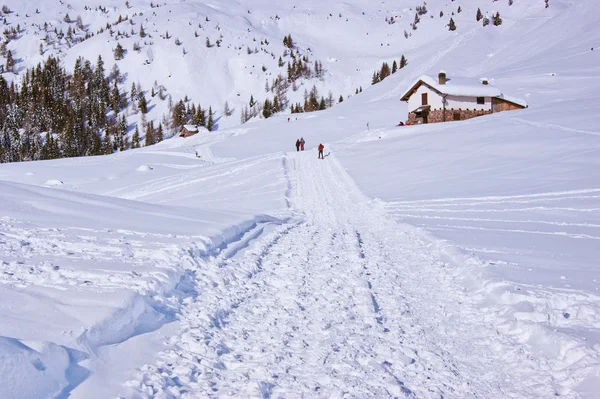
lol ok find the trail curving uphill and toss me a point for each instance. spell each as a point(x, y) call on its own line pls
point(341, 302)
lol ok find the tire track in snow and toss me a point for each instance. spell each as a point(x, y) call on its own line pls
point(343, 302)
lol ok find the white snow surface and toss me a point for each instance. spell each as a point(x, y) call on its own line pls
point(455, 260)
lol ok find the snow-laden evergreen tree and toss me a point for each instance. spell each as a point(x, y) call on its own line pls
point(159, 133)
point(497, 20)
point(142, 104)
point(135, 139)
point(123, 145)
point(178, 115)
point(403, 62)
point(115, 98)
point(107, 147)
point(149, 140)
point(10, 62)
point(226, 109)
point(385, 71)
point(210, 122)
point(118, 52)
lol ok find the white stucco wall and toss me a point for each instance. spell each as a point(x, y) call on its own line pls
point(433, 99)
point(464, 102)
point(457, 102)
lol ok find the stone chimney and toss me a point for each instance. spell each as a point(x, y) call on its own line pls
point(442, 77)
point(484, 81)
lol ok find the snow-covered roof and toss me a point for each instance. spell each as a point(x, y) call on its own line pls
point(455, 87)
point(190, 128)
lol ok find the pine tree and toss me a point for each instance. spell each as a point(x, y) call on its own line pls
point(123, 134)
point(394, 66)
point(322, 104)
point(178, 115)
point(486, 21)
point(135, 139)
point(149, 140)
point(142, 31)
point(479, 15)
point(341, 99)
point(118, 52)
point(267, 109)
point(210, 122)
point(226, 109)
point(330, 99)
point(133, 93)
point(376, 78)
point(159, 133)
point(107, 147)
point(10, 62)
point(201, 116)
point(142, 104)
point(497, 20)
point(244, 117)
point(385, 71)
point(403, 62)
point(115, 99)
point(451, 25)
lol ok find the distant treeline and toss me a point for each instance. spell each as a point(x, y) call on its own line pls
point(54, 114)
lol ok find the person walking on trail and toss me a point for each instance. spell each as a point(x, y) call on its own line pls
point(302, 144)
point(321, 148)
point(297, 144)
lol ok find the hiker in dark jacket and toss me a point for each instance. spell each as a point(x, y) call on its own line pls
point(297, 144)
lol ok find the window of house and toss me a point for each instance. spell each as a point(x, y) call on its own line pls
point(480, 100)
point(456, 115)
point(424, 99)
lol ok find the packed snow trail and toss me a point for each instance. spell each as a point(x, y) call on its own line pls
point(340, 302)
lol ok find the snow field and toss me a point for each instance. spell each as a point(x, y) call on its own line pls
point(494, 294)
point(83, 274)
point(339, 303)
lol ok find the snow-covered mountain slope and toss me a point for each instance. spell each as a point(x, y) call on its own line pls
point(350, 39)
point(443, 260)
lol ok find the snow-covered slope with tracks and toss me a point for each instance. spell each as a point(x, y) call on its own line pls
point(447, 260)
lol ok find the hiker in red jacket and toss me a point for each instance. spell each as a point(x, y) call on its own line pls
point(321, 148)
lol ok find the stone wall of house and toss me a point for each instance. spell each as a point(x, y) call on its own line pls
point(413, 120)
point(437, 115)
point(506, 106)
point(455, 114)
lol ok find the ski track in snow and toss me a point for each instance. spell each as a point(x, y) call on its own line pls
point(342, 301)
point(42, 257)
